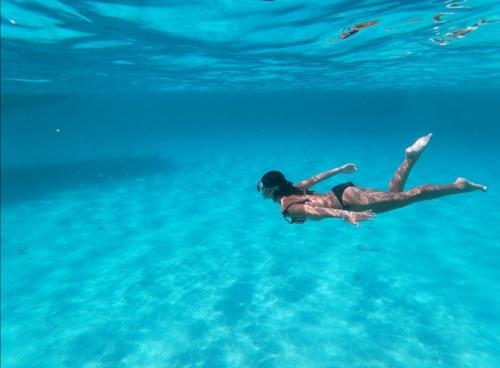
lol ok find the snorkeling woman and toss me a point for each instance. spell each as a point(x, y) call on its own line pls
point(350, 202)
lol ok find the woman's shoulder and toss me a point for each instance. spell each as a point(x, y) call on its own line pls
point(296, 198)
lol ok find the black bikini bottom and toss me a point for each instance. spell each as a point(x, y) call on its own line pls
point(338, 190)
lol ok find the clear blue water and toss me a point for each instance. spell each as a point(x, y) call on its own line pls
point(133, 134)
point(150, 45)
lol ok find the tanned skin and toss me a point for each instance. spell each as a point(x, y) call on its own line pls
point(364, 203)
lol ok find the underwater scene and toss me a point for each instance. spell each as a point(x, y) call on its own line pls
point(154, 152)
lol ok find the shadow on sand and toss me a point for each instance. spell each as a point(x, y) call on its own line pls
point(31, 182)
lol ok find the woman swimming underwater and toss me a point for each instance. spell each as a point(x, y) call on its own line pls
point(350, 202)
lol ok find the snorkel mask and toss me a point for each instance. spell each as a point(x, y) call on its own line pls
point(261, 187)
point(271, 181)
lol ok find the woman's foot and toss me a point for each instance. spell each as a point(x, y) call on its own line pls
point(416, 149)
point(469, 186)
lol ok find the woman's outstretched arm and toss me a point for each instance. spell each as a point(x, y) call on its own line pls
point(320, 213)
point(305, 184)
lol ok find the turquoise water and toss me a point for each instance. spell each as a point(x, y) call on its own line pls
point(133, 134)
point(151, 45)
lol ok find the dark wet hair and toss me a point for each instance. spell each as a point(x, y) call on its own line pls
point(287, 190)
point(276, 178)
point(273, 178)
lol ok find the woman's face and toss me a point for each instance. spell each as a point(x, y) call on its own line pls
point(267, 193)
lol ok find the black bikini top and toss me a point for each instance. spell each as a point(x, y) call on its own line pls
point(294, 220)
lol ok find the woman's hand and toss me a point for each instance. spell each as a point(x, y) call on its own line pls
point(355, 217)
point(349, 168)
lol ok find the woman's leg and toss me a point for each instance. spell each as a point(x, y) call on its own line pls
point(412, 154)
point(359, 199)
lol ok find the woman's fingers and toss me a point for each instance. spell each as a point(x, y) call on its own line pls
point(366, 215)
point(355, 217)
point(350, 168)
